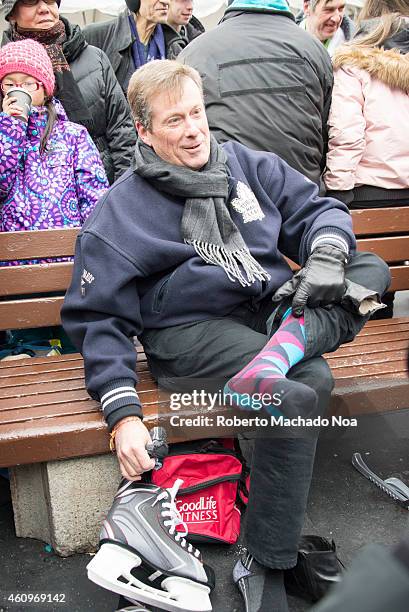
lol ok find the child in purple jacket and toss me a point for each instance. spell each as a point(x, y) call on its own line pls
point(51, 174)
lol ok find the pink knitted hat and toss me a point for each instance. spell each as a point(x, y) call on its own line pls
point(30, 57)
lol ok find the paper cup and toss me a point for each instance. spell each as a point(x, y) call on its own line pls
point(24, 99)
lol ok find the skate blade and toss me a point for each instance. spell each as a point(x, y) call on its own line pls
point(112, 562)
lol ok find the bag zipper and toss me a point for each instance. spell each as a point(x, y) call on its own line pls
point(208, 483)
point(222, 451)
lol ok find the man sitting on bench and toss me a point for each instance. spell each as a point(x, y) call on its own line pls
point(187, 251)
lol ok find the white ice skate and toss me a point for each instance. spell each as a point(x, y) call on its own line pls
point(144, 558)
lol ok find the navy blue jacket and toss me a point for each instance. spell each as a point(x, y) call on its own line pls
point(133, 271)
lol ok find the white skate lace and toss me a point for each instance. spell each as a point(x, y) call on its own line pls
point(175, 519)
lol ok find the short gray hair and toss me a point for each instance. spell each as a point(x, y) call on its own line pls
point(153, 78)
point(314, 3)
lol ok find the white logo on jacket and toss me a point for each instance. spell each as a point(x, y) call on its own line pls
point(86, 277)
point(247, 204)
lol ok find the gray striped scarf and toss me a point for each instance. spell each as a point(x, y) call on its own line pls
point(206, 222)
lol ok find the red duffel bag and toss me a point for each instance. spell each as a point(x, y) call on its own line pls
point(214, 490)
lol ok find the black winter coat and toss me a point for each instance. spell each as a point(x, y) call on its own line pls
point(112, 128)
point(267, 84)
point(115, 38)
point(193, 29)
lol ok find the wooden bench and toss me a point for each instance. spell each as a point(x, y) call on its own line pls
point(46, 414)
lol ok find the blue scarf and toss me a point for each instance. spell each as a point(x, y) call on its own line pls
point(156, 46)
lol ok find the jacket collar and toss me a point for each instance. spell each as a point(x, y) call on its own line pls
point(122, 37)
point(75, 43)
point(38, 116)
point(280, 7)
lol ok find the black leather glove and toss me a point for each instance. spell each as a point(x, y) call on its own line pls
point(319, 283)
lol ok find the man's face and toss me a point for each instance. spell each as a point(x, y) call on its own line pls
point(325, 19)
point(154, 11)
point(39, 16)
point(180, 132)
point(180, 12)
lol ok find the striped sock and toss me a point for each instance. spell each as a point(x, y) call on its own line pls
point(266, 373)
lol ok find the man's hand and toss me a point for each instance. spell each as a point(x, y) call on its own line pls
point(130, 443)
point(319, 283)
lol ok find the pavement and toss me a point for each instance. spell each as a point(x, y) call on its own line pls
point(343, 506)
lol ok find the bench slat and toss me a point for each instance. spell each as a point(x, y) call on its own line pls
point(400, 278)
point(40, 278)
point(390, 248)
point(147, 389)
point(380, 336)
point(15, 390)
point(63, 438)
point(30, 313)
point(369, 358)
point(370, 397)
point(376, 370)
point(32, 383)
point(363, 349)
point(40, 244)
point(41, 373)
point(381, 221)
point(385, 322)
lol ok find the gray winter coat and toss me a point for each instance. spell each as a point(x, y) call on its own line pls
point(115, 38)
point(112, 131)
point(267, 84)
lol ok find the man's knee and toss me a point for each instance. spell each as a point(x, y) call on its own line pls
point(321, 379)
point(316, 374)
point(370, 271)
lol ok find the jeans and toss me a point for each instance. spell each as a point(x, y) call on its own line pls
point(282, 467)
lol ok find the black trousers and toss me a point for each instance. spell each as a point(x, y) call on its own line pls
point(219, 348)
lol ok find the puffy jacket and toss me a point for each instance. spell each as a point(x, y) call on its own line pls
point(115, 38)
point(267, 84)
point(156, 280)
point(112, 128)
point(58, 188)
point(368, 135)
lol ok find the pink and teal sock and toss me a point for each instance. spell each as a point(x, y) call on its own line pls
point(265, 375)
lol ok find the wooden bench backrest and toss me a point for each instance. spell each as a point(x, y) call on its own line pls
point(25, 280)
point(383, 231)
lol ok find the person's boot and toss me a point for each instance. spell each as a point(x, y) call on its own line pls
point(262, 588)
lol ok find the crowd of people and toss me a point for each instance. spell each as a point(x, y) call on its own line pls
point(193, 179)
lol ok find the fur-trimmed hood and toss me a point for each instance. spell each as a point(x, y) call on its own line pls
point(390, 67)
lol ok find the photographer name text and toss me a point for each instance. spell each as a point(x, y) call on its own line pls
point(258, 421)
